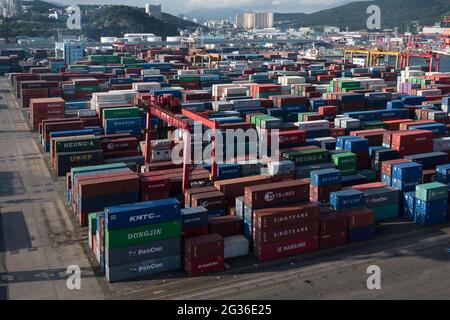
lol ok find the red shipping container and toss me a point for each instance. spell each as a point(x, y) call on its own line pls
point(81, 179)
point(386, 166)
point(327, 110)
point(359, 217)
point(367, 186)
point(206, 246)
point(155, 195)
point(428, 175)
point(285, 215)
point(413, 149)
point(113, 185)
point(189, 192)
point(274, 194)
point(119, 144)
point(274, 235)
point(333, 222)
point(394, 125)
point(333, 240)
point(337, 132)
point(233, 188)
point(291, 137)
point(322, 194)
point(205, 265)
point(286, 248)
point(403, 138)
point(194, 232)
point(225, 225)
point(406, 125)
point(312, 117)
point(154, 184)
point(209, 200)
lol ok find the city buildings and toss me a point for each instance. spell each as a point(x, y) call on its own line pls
point(69, 51)
point(10, 8)
point(252, 20)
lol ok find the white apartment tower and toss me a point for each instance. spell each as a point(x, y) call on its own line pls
point(252, 20)
point(263, 20)
point(153, 10)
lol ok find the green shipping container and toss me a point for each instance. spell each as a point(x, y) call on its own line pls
point(301, 115)
point(75, 145)
point(144, 234)
point(256, 120)
point(344, 160)
point(370, 174)
point(111, 113)
point(348, 84)
point(385, 212)
point(87, 89)
point(367, 125)
point(432, 191)
point(306, 157)
point(348, 171)
point(92, 223)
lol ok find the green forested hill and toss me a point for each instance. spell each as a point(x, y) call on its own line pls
point(394, 13)
point(96, 21)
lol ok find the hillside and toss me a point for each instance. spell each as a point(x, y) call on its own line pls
point(117, 20)
point(98, 21)
point(394, 13)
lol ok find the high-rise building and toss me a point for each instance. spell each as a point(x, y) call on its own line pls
point(153, 10)
point(263, 20)
point(15, 7)
point(69, 51)
point(240, 20)
point(251, 20)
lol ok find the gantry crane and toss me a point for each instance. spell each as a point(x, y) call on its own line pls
point(162, 108)
point(405, 59)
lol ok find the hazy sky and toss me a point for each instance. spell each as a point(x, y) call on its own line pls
point(183, 6)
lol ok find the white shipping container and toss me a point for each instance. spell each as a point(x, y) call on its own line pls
point(289, 80)
point(146, 86)
point(437, 115)
point(86, 113)
point(150, 72)
point(313, 125)
point(235, 246)
point(280, 167)
point(187, 72)
point(429, 92)
point(242, 91)
point(350, 123)
point(161, 155)
point(222, 106)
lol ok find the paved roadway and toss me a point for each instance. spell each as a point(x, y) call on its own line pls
point(38, 241)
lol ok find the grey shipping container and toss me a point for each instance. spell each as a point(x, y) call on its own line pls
point(381, 196)
point(140, 252)
point(143, 268)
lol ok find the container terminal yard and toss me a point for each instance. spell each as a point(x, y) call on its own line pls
point(113, 173)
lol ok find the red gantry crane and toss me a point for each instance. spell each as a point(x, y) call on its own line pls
point(405, 59)
point(162, 107)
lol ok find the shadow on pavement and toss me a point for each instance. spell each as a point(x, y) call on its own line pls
point(15, 231)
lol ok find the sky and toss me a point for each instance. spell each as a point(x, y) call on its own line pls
point(184, 6)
